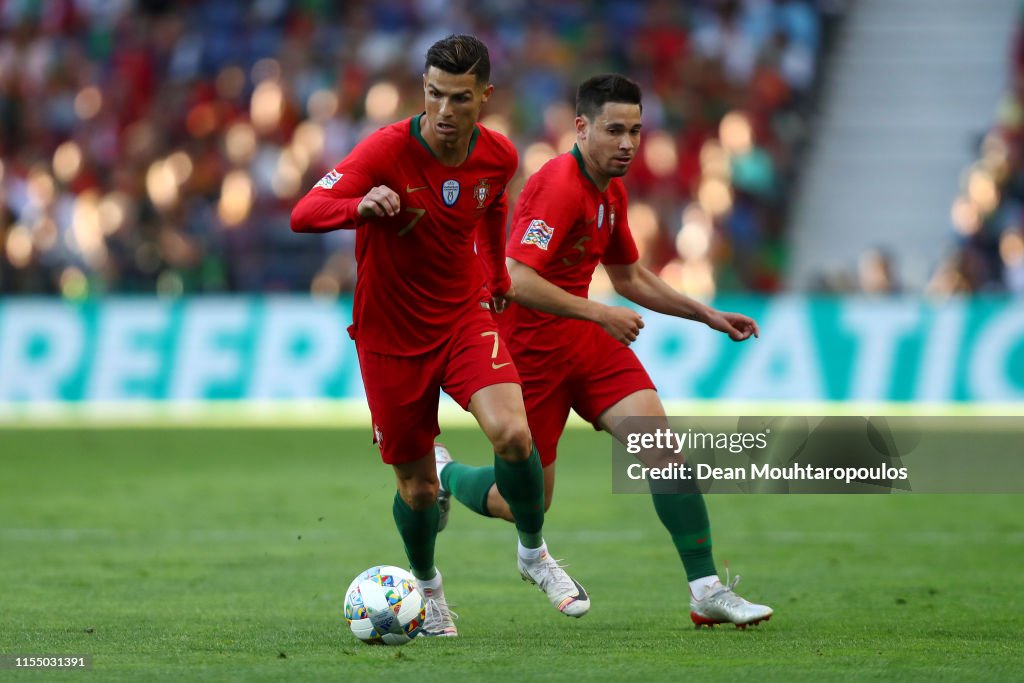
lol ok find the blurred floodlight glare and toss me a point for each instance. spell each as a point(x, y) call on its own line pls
point(672, 274)
point(73, 283)
point(236, 197)
point(497, 123)
point(982, 191)
point(266, 106)
point(693, 213)
point(180, 164)
point(240, 143)
point(736, 133)
point(964, 215)
point(322, 105)
point(287, 179)
point(113, 210)
point(88, 102)
point(86, 227)
point(1011, 248)
point(41, 187)
point(713, 160)
point(382, 101)
point(695, 279)
point(19, 246)
point(715, 196)
point(660, 155)
point(699, 279)
point(643, 223)
point(535, 156)
point(67, 161)
point(310, 138)
point(44, 234)
point(693, 241)
point(296, 156)
point(162, 185)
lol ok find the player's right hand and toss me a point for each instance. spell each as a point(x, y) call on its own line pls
point(379, 202)
point(624, 324)
point(499, 302)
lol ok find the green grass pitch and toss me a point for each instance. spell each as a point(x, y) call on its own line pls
point(222, 554)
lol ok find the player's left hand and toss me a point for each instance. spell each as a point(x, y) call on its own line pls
point(739, 327)
point(499, 302)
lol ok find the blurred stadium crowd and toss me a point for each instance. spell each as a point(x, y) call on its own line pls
point(157, 146)
point(988, 215)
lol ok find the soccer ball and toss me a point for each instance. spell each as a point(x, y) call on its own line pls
point(383, 605)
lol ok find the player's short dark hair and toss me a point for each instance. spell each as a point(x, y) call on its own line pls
point(460, 54)
point(596, 91)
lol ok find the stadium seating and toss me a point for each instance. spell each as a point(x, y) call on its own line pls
point(158, 147)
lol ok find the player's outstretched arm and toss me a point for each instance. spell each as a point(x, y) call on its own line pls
point(322, 211)
point(350, 193)
point(641, 286)
point(532, 290)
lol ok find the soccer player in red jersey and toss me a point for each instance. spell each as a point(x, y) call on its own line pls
point(572, 352)
point(426, 197)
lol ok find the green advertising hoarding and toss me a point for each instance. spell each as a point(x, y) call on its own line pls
point(294, 347)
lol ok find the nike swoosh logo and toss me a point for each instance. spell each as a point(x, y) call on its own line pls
point(410, 190)
point(496, 366)
point(701, 540)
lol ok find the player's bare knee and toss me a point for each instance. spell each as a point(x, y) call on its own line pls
point(513, 442)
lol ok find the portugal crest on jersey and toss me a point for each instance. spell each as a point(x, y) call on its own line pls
point(480, 192)
point(450, 192)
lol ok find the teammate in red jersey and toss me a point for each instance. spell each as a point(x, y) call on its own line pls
point(425, 196)
point(572, 352)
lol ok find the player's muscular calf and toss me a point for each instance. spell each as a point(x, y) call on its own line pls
point(380, 201)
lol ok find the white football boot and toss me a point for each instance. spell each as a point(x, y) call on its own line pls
point(444, 498)
point(721, 605)
point(439, 620)
point(564, 592)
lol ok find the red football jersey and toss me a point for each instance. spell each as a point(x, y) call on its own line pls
point(562, 227)
point(418, 272)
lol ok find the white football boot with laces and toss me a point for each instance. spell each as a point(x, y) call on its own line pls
point(439, 620)
point(721, 605)
point(563, 591)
